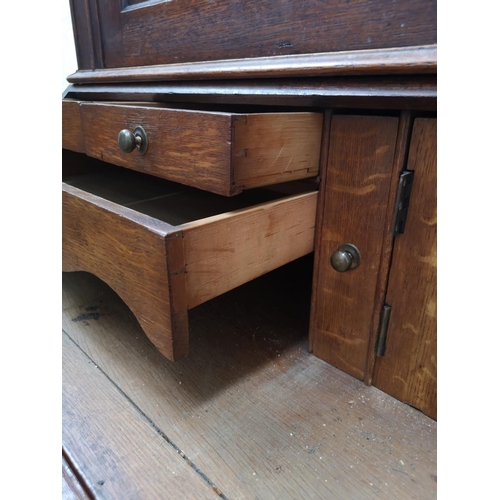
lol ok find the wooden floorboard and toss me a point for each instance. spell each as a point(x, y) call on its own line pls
point(250, 408)
point(118, 453)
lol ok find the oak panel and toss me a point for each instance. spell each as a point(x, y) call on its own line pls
point(356, 189)
point(408, 370)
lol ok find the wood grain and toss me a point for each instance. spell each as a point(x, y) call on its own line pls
point(113, 443)
point(408, 370)
point(219, 152)
point(258, 415)
point(356, 189)
point(405, 60)
point(128, 251)
point(225, 251)
point(376, 92)
point(325, 148)
point(179, 32)
point(273, 148)
point(72, 132)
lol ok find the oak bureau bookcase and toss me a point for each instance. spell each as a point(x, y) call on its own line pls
point(206, 143)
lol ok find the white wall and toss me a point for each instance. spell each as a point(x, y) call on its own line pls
point(69, 64)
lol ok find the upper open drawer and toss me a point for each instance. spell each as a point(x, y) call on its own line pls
point(220, 152)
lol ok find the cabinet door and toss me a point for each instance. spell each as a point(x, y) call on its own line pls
point(355, 192)
point(408, 370)
point(124, 33)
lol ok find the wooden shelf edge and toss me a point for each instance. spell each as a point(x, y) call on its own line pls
point(401, 60)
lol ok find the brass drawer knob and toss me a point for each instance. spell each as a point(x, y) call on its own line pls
point(345, 258)
point(128, 141)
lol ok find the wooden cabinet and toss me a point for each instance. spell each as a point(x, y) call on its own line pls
point(238, 96)
point(133, 33)
point(396, 278)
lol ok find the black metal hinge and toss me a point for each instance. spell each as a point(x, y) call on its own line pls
point(401, 212)
point(403, 201)
point(382, 330)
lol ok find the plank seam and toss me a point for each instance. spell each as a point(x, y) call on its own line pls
point(186, 459)
point(78, 475)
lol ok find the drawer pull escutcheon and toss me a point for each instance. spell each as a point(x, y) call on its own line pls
point(345, 258)
point(128, 141)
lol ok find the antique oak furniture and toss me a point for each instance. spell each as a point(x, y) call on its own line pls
point(208, 143)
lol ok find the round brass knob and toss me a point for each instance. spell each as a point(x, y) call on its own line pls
point(128, 141)
point(345, 258)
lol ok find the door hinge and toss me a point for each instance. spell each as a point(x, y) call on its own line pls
point(382, 330)
point(402, 201)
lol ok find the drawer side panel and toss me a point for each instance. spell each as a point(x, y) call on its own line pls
point(131, 257)
point(225, 251)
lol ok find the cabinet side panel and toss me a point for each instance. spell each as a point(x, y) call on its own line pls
point(356, 193)
point(408, 370)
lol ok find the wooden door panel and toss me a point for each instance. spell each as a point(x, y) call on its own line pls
point(408, 368)
point(141, 33)
point(355, 190)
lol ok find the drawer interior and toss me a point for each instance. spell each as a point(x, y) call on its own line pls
point(164, 200)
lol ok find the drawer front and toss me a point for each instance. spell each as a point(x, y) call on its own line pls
point(161, 270)
point(220, 152)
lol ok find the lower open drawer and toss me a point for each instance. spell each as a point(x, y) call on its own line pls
point(165, 248)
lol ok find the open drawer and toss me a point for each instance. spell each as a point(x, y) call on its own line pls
point(166, 248)
point(220, 152)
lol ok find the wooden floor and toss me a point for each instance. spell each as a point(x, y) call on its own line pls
point(249, 414)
